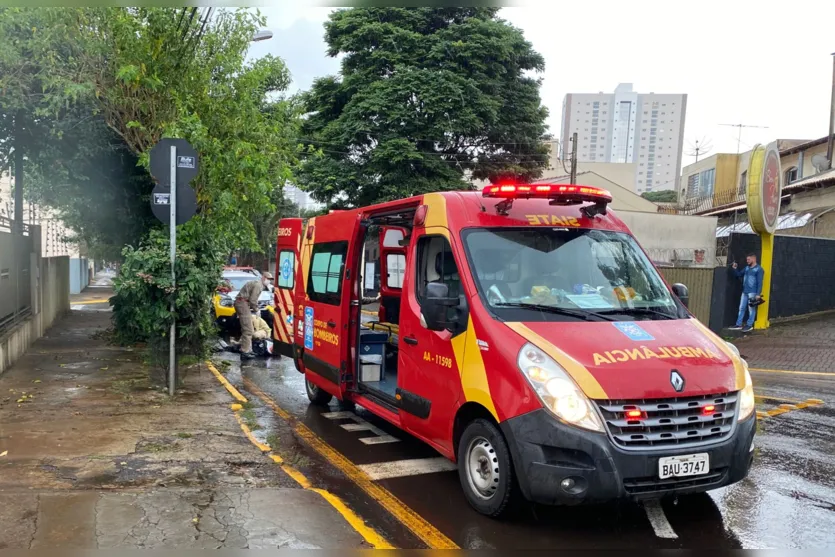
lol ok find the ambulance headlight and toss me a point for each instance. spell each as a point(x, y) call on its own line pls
point(746, 395)
point(226, 301)
point(557, 391)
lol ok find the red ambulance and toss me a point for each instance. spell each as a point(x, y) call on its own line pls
point(523, 333)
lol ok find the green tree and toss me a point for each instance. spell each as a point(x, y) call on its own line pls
point(39, 98)
point(106, 84)
point(664, 196)
point(425, 97)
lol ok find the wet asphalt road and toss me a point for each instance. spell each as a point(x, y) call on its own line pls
point(788, 500)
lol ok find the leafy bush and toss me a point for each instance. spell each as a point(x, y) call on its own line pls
point(144, 291)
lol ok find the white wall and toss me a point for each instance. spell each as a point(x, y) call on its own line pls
point(674, 238)
point(52, 300)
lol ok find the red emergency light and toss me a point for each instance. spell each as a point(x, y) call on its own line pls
point(634, 414)
point(561, 192)
point(708, 410)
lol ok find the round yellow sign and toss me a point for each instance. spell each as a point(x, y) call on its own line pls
point(764, 188)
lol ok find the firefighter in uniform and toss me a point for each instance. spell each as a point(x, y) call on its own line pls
point(246, 304)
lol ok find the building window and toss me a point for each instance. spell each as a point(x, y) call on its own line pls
point(791, 175)
point(743, 183)
point(324, 284)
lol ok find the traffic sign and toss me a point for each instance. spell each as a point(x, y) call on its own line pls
point(174, 163)
point(161, 204)
point(188, 163)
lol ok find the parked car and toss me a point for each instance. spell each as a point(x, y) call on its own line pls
point(234, 279)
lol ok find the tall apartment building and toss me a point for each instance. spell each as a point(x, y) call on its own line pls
point(628, 127)
point(301, 198)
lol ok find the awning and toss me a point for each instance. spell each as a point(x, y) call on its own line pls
point(788, 221)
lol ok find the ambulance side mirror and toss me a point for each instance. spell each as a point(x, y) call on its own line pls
point(435, 306)
point(683, 294)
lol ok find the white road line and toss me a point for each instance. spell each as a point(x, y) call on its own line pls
point(379, 440)
point(658, 520)
point(338, 415)
point(357, 427)
point(409, 467)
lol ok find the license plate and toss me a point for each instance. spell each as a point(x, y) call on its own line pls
point(682, 466)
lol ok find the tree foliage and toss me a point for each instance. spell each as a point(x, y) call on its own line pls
point(425, 97)
point(664, 196)
point(103, 85)
point(144, 292)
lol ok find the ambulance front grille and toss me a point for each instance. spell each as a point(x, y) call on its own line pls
point(669, 422)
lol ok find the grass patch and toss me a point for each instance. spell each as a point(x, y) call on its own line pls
point(296, 460)
point(183, 435)
point(248, 405)
point(250, 419)
point(273, 440)
point(188, 360)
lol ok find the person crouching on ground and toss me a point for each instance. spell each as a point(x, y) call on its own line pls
point(752, 288)
point(246, 304)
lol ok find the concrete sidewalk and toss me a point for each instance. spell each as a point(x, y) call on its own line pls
point(91, 456)
point(805, 345)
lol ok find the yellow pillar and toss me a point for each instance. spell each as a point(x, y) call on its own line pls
point(766, 257)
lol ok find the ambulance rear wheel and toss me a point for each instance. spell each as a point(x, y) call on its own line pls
point(485, 468)
point(317, 395)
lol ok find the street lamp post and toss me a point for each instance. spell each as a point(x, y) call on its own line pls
point(262, 35)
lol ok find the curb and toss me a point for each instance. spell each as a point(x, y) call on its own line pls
point(369, 534)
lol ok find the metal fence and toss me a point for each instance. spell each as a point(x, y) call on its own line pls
point(699, 282)
point(15, 274)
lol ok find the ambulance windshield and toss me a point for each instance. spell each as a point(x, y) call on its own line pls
point(567, 272)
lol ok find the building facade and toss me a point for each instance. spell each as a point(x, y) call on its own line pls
point(301, 198)
point(628, 127)
point(55, 237)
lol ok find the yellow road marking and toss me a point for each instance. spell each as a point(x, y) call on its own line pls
point(248, 432)
point(784, 408)
point(369, 534)
point(232, 390)
point(86, 302)
point(369, 312)
point(818, 373)
point(430, 535)
point(778, 398)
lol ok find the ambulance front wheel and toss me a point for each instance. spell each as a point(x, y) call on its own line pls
point(485, 468)
point(317, 395)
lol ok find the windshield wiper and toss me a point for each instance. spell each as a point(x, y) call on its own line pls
point(642, 311)
point(580, 313)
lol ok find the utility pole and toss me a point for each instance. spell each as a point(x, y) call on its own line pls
point(831, 116)
point(739, 135)
point(574, 158)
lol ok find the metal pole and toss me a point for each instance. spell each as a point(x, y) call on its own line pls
point(831, 116)
point(574, 158)
point(172, 342)
point(17, 225)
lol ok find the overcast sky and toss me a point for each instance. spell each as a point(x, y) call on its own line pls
point(738, 61)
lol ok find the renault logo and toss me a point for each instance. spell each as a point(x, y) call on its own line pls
point(677, 381)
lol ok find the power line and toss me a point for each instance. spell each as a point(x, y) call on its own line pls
point(739, 136)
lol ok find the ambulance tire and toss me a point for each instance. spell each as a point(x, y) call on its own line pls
point(316, 395)
point(482, 440)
